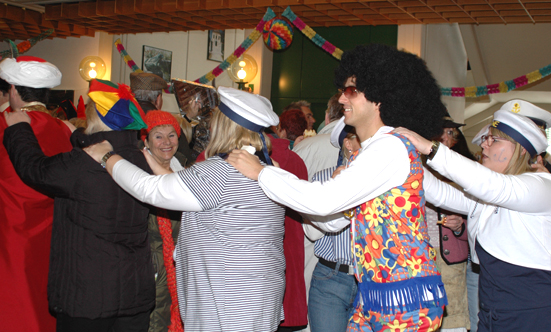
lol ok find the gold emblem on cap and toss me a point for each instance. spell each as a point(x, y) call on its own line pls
point(516, 108)
point(495, 123)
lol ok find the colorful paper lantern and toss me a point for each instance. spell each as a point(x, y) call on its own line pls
point(278, 34)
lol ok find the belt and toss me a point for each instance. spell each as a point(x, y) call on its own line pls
point(342, 268)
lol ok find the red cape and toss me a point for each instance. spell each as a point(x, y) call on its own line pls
point(25, 233)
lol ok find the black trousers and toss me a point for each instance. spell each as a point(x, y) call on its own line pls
point(135, 323)
point(512, 298)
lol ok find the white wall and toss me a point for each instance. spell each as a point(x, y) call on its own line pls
point(189, 58)
point(67, 53)
point(441, 46)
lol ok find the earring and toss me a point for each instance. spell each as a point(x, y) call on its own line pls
point(349, 151)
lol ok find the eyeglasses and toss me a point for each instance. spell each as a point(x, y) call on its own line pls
point(490, 139)
point(349, 91)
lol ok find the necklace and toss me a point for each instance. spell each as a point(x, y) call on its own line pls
point(476, 205)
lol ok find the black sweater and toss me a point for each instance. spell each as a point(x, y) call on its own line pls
point(100, 260)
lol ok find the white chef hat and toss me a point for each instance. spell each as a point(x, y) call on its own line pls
point(523, 130)
point(540, 116)
point(248, 110)
point(30, 71)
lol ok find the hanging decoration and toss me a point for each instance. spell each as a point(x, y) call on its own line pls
point(24, 46)
point(503, 87)
point(247, 43)
point(312, 35)
point(277, 34)
point(127, 57)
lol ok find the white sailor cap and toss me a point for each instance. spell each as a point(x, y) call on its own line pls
point(477, 139)
point(523, 130)
point(339, 133)
point(30, 71)
point(540, 116)
point(248, 110)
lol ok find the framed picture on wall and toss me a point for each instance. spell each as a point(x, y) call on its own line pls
point(215, 50)
point(157, 61)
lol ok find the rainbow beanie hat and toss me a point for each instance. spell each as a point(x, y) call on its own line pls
point(116, 105)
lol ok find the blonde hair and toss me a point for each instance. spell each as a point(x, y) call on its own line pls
point(93, 120)
point(184, 125)
point(519, 163)
point(227, 135)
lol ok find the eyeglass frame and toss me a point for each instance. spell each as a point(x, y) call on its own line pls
point(349, 91)
point(484, 138)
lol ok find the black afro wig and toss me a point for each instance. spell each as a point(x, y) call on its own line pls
point(400, 81)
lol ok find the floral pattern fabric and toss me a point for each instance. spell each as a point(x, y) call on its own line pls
point(422, 320)
point(395, 264)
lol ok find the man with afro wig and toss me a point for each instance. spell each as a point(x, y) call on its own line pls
point(380, 193)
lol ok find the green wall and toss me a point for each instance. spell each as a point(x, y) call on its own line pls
point(304, 71)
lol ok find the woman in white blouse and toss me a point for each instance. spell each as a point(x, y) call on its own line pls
point(509, 218)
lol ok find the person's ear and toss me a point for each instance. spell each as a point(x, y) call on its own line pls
point(13, 92)
point(523, 152)
point(347, 144)
point(159, 101)
point(146, 143)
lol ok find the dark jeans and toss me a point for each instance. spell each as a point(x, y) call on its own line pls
point(136, 323)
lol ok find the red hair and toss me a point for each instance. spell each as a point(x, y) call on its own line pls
point(294, 122)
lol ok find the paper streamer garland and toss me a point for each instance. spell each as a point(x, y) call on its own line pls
point(503, 87)
point(247, 43)
point(25, 45)
point(127, 57)
point(311, 34)
point(467, 92)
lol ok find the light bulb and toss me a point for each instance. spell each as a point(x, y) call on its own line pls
point(92, 64)
point(242, 63)
point(92, 73)
point(241, 73)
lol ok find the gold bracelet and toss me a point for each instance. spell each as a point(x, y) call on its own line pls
point(433, 149)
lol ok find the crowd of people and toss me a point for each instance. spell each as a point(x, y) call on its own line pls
point(228, 217)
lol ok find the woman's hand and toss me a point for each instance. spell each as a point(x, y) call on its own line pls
point(153, 164)
point(337, 171)
point(246, 163)
point(422, 144)
point(540, 165)
point(299, 139)
point(98, 150)
point(453, 222)
point(16, 117)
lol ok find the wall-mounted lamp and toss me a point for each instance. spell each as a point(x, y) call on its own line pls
point(92, 67)
point(243, 71)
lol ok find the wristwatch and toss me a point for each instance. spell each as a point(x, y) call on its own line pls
point(106, 157)
point(433, 150)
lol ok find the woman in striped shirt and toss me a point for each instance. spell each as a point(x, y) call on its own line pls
point(229, 257)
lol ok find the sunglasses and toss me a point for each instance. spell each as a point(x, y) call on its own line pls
point(349, 91)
